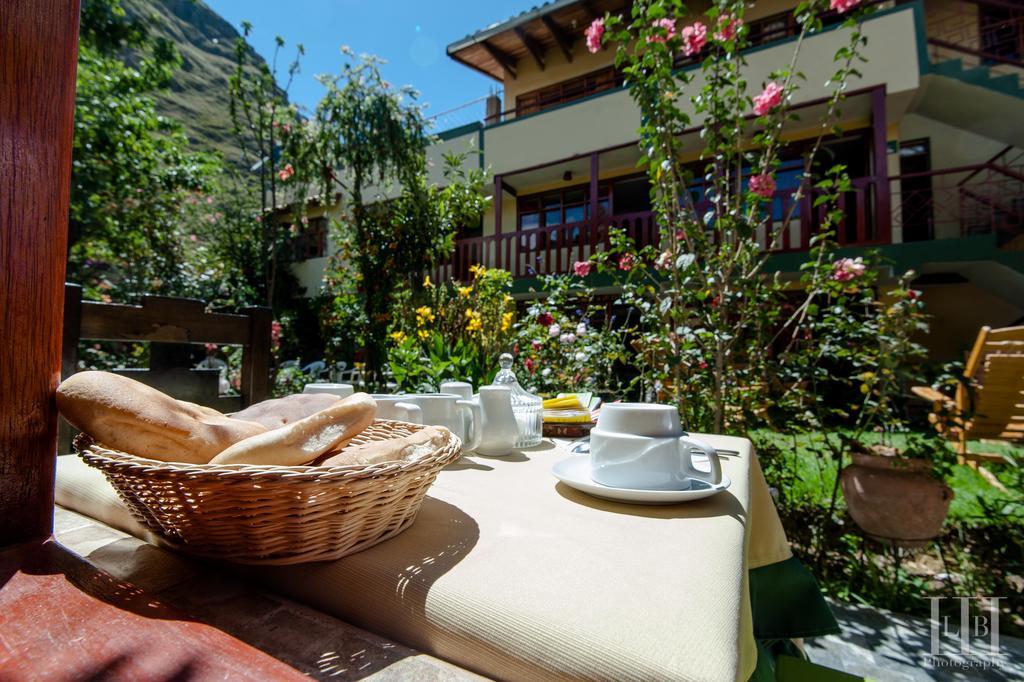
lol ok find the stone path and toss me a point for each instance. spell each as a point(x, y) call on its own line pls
point(884, 646)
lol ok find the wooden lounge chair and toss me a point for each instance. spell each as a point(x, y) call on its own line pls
point(989, 402)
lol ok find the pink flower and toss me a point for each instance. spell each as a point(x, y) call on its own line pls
point(769, 99)
point(275, 333)
point(106, 299)
point(545, 319)
point(211, 348)
point(286, 172)
point(727, 27)
point(843, 6)
point(664, 261)
point(528, 363)
point(536, 345)
point(193, 238)
point(582, 268)
point(694, 37)
point(209, 200)
point(845, 269)
point(670, 31)
point(627, 261)
point(763, 185)
point(594, 34)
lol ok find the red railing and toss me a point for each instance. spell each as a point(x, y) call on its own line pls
point(983, 198)
point(978, 32)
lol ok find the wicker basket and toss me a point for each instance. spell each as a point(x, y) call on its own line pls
point(272, 514)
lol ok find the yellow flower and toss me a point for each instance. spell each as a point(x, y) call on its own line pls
point(464, 292)
point(424, 315)
point(506, 321)
point(427, 284)
point(477, 270)
point(423, 334)
point(398, 336)
point(508, 298)
point(475, 323)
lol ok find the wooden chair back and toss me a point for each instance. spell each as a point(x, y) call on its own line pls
point(995, 372)
point(169, 320)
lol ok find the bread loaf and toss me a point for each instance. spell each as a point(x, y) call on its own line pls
point(127, 415)
point(280, 411)
point(417, 444)
point(303, 441)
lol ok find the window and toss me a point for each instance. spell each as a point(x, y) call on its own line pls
point(311, 242)
point(567, 91)
point(570, 205)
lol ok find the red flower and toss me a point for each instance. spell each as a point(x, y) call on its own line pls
point(545, 319)
point(716, 300)
point(703, 365)
point(528, 364)
point(627, 261)
point(286, 172)
point(913, 295)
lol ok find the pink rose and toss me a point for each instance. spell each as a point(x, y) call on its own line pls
point(846, 269)
point(727, 27)
point(664, 261)
point(694, 37)
point(843, 6)
point(594, 34)
point(627, 261)
point(670, 31)
point(763, 185)
point(286, 172)
point(769, 99)
point(582, 268)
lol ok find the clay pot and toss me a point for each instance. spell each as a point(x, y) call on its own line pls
point(895, 500)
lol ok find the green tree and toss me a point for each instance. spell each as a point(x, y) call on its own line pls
point(263, 123)
point(365, 139)
point(132, 169)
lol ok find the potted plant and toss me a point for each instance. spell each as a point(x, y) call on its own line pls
point(899, 495)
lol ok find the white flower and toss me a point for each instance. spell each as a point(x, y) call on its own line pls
point(581, 356)
point(554, 330)
point(581, 329)
point(546, 372)
point(567, 338)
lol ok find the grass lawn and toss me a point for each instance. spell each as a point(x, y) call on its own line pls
point(981, 552)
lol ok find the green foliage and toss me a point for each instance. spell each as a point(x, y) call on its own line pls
point(448, 331)
point(565, 343)
point(132, 169)
point(365, 139)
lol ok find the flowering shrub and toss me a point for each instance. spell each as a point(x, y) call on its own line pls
point(715, 333)
point(456, 332)
point(564, 343)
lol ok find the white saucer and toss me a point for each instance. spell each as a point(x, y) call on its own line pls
point(574, 471)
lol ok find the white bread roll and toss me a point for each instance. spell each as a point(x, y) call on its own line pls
point(303, 441)
point(127, 415)
point(420, 443)
point(277, 412)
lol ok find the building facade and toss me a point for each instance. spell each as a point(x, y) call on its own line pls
point(933, 139)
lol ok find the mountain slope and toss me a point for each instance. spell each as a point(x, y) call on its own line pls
point(198, 98)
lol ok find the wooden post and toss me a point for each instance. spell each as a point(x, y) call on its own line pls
point(594, 170)
point(38, 54)
point(883, 202)
point(498, 191)
point(256, 356)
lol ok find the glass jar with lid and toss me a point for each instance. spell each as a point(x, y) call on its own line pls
point(527, 407)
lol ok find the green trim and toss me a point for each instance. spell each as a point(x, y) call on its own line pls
point(918, 26)
point(921, 34)
point(459, 131)
point(913, 255)
point(774, 589)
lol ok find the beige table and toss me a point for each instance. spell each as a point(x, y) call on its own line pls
point(514, 575)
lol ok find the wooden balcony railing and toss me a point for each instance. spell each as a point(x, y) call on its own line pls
point(978, 32)
point(962, 201)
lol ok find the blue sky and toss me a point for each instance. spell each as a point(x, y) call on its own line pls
point(411, 35)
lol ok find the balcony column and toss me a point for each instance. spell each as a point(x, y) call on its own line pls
point(38, 51)
point(883, 195)
point(594, 172)
point(499, 260)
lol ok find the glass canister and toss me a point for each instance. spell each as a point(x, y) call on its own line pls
point(527, 407)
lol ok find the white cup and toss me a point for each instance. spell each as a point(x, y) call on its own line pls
point(461, 417)
point(642, 446)
point(460, 388)
point(340, 390)
point(396, 407)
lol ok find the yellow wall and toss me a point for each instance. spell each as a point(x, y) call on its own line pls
point(610, 119)
point(556, 69)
